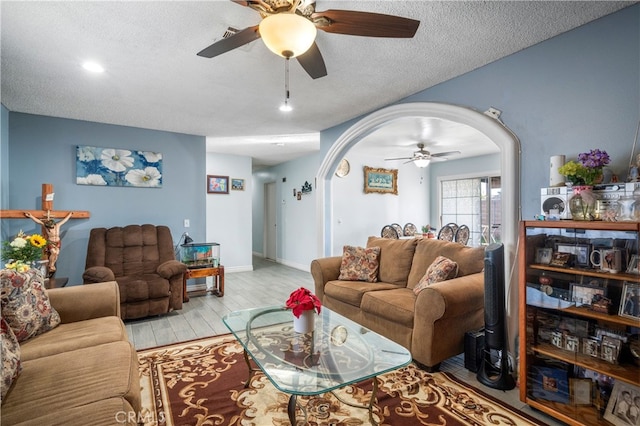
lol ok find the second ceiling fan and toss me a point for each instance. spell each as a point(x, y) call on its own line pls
point(301, 16)
point(422, 157)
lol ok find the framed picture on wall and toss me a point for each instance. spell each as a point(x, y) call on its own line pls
point(380, 180)
point(217, 184)
point(237, 184)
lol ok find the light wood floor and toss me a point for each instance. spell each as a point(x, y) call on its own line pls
point(269, 283)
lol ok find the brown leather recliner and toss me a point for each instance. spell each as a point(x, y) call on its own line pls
point(141, 259)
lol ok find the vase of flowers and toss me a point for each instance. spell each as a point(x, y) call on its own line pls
point(582, 175)
point(304, 306)
point(23, 252)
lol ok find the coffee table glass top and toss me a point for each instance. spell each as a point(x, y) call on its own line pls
point(339, 351)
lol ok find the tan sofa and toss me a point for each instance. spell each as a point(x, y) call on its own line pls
point(431, 324)
point(84, 371)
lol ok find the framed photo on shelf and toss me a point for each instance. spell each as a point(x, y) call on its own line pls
point(581, 252)
point(583, 294)
point(622, 399)
point(610, 349)
point(217, 184)
point(632, 267)
point(581, 391)
point(544, 255)
point(630, 301)
point(560, 259)
point(591, 347)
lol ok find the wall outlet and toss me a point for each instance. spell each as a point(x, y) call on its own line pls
point(186, 223)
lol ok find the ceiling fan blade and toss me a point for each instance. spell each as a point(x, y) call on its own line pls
point(366, 24)
point(399, 158)
point(312, 62)
point(226, 44)
point(442, 154)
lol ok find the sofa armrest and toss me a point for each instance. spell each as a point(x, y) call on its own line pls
point(83, 302)
point(450, 298)
point(98, 274)
point(171, 268)
point(324, 270)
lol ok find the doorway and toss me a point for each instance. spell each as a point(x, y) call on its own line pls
point(270, 222)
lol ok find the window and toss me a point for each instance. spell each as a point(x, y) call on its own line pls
point(474, 202)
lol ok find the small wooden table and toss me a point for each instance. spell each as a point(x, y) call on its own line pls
point(55, 282)
point(218, 281)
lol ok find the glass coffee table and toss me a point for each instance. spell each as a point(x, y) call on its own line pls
point(339, 352)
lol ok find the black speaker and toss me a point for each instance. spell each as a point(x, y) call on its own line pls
point(473, 348)
point(494, 366)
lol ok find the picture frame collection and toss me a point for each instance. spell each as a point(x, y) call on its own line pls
point(218, 184)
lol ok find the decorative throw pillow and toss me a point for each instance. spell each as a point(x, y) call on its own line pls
point(441, 269)
point(25, 304)
point(11, 366)
point(360, 264)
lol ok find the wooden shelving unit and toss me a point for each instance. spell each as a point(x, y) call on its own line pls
point(534, 351)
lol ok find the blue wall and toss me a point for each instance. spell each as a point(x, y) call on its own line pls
point(574, 92)
point(43, 149)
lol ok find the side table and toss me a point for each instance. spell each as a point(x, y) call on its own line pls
point(218, 280)
point(55, 282)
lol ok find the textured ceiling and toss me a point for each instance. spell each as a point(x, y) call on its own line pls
point(154, 79)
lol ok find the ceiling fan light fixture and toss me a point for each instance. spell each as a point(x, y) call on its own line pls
point(422, 162)
point(286, 106)
point(287, 34)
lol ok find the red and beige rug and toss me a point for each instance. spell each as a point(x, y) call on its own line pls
point(202, 383)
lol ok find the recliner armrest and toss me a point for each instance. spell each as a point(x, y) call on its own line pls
point(171, 268)
point(98, 274)
point(324, 270)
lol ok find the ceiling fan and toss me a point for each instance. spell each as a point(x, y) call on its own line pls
point(300, 16)
point(422, 157)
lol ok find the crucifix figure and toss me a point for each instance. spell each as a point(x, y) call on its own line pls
point(52, 234)
point(47, 219)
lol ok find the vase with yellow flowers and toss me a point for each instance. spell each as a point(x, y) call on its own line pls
point(582, 175)
point(23, 252)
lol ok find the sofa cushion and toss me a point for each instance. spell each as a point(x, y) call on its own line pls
point(11, 365)
point(469, 259)
point(441, 269)
point(75, 335)
point(74, 379)
point(351, 292)
point(25, 304)
point(106, 412)
point(359, 264)
point(395, 259)
point(396, 304)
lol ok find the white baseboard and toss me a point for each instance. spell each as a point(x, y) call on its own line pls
point(294, 265)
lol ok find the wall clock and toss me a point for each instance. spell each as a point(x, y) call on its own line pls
point(343, 168)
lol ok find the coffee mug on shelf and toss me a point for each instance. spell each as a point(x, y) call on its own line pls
point(608, 260)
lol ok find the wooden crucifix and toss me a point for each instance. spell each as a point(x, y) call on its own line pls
point(46, 218)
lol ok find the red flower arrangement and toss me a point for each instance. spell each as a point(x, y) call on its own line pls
point(302, 300)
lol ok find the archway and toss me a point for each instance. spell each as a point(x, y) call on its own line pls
point(506, 140)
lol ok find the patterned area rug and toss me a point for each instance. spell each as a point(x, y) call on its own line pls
point(202, 383)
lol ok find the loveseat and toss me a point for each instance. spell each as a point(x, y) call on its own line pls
point(430, 324)
point(82, 371)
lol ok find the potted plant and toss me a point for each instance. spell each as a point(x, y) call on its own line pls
point(303, 303)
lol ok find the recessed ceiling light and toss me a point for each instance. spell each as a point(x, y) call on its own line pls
point(93, 67)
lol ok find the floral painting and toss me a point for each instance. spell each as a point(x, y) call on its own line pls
point(118, 167)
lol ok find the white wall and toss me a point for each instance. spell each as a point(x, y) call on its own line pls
point(357, 215)
point(229, 216)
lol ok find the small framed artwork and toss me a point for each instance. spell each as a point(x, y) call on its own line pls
point(580, 251)
point(581, 391)
point(583, 294)
point(560, 259)
point(237, 184)
point(217, 184)
point(623, 398)
point(630, 301)
point(610, 349)
point(380, 180)
point(632, 267)
point(544, 255)
point(590, 347)
point(572, 343)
